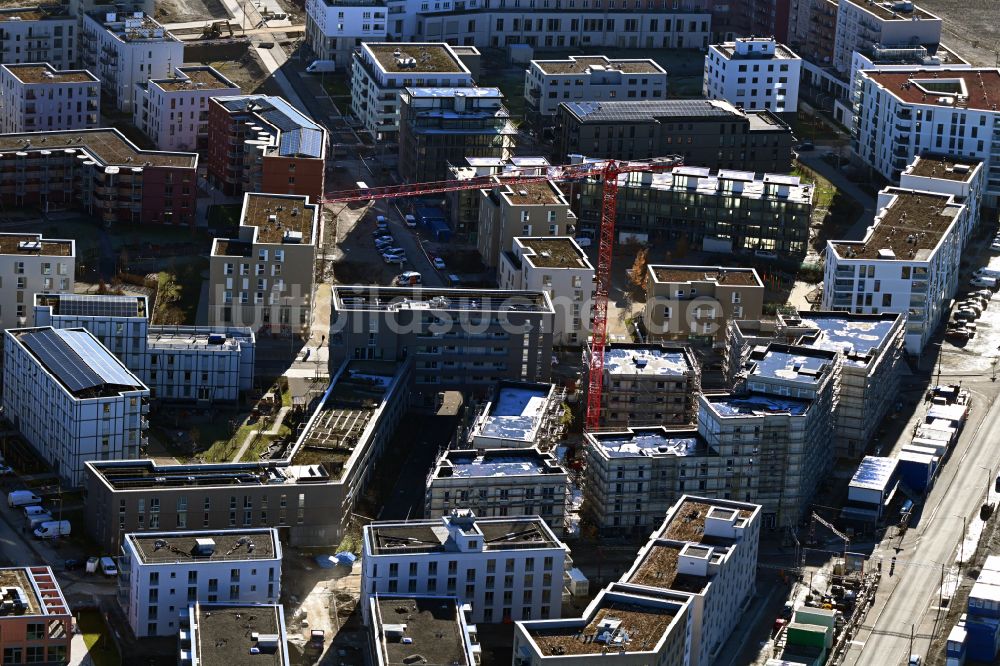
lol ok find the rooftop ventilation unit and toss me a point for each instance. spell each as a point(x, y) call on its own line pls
point(204, 547)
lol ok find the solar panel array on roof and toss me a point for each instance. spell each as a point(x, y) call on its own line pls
point(678, 108)
point(77, 359)
point(299, 134)
point(98, 306)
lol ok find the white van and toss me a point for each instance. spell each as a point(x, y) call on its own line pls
point(39, 519)
point(321, 66)
point(34, 510)
point(108, 567)
point(22, 498)
point(53, 529)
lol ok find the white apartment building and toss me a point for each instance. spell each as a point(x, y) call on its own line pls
point(753, 73)
point(193, 363)
point(335, 28)
point(37, 97)
point(30, 264)
point(72, 400)
point(525, 209)
point(439, 625)
point(498, 483)
point(902, 114)
point(505, 568)
point(161, 574)
point(33, 33)
point(964, 179)
point(908, 262)
point(173, 112)
point(548, 83)
point(560, 267)
point(518, 415)
point(125, 50)
point(229, 633)
point(864, 24)
point(381, 70)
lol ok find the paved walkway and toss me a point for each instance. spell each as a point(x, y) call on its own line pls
point(273, 430)
point(814, 160)
point(273, 60)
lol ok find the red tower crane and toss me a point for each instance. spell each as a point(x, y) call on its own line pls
point(605, 171)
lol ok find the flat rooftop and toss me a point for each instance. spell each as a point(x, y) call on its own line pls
point(781, 52)
point(78, 361)
point(943, 167)
point(687, 522)
point(515, 413)
point(133, 26)
point(647, 360)
point(659, 569)
point(585, 64)
point(851, 335)
point(889, 11)
point(756, 404)
point(429, 57)
point(80, 305)
point(108, 147)
point(392, 299)
point(650, 442)
point(195, 78)
point(219, 339)
point(431, 536)
point(703, 181)
point(33, 245)
point(612, 112)
point(432, 625)
point(296, 134)
point(874, 472)
point(229, 545)
point(275, 216)
point(559, 252)
point(223, 635)
point(734, 277)
point(799, 365)
point(28, 603)
point(18, 10)
point(139, 475)
point(909, 229)
point(495, 463)
point(645, 625)
point(535, 193)
point(941, 87)
point(46, 73)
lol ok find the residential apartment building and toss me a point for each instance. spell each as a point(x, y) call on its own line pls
point(72, 400)
point(706, 133)
point(560, 267)
point(730, 212)
point(442, 126)
point(380, 71)
point(697, 302)
point(863, 24)
point(441, 626)
point(463, 205)
point(505, 568)
point(907, 263)
point(307, 493)
point(163, 573)
point(871, 350)
point(39, 33)
point(753, 73)
point(903, 114)
point(812, 30)
point(101, 172)
point(525, 209)
point(518, 415)
point(35, 620)
point(38, 97)
point(335, 28)
point(227, 633)
point(260, 143)
point(125, 50)
point(498, 483)
point(458, 339)
point(964, 179)
point(648, 384)
point(173, 112)
point(264, 278)
point(200, 363)
point(548, 83)
point(675, 606)
point(786, 404)
point(30, 264)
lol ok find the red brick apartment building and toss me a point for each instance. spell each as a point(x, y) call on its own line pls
point(102, 172)
point(36, 626)
point(258, 143)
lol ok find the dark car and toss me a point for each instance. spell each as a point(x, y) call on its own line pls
point(72, 565)
point(806, 146)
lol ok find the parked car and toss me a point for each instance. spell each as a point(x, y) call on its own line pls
point(972, 305)
point(986, 272)
point(914, 660)
point(383, 243)
point(987, 282)
point(410, 220)
point(380, 220)
point(34, 510)
point(985, 293)
point(805, 146)
point(439, 263)
point(584, 241)
point(390, 258)
point(957, 334)
point(968, 315)
point(72, 565)
point(408, 279)
point(5, 470)
point(995, 245)
point(108, 567)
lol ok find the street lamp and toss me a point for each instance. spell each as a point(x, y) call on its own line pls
point(989, 482)
point(961, 546)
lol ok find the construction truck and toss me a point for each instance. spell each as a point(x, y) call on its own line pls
point(216, 30)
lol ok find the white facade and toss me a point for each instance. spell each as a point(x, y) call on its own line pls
point(72, 400)
point(334, 28)
point(173, 112)
point(560, 267)
point(162, 573)
point(37, 97)
point(39, 34)
point(548, 83)
point(30, 264)
point(753, 73)
point(125, 50)
point(865, 24)
point(899, 115)
point(380, 71)
point(505, 568)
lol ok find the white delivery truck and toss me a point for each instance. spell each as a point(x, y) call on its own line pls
point(52, 529)
point(321, 66)
point(22, 498)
